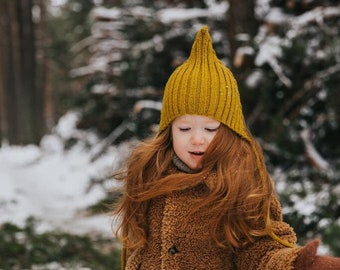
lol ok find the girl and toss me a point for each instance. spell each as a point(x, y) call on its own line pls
point(198, 195)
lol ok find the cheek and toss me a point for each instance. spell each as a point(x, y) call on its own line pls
point(178, 138)
point(177, 143)
point(178, 149)
point(180, 142)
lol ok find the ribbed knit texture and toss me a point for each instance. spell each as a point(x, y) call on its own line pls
point(203, 85)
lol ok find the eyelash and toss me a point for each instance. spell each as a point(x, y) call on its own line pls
point(211, 129)
point(207, 129)
point(184, 129)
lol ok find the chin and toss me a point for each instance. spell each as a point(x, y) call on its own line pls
point(195, 167)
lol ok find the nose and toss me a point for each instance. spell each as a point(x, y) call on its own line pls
point(197, 138)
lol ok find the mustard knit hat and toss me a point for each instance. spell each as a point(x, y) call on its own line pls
point(203, 85)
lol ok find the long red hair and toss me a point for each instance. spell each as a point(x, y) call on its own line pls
point(240, 198)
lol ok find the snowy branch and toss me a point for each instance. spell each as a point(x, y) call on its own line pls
point(103, 146)
point(147, 104)
point(100, 64)
point(170, 15)
point(317, 15)
point(273, 63)
point(270, 50)
point(320, 76)
point(312, 154)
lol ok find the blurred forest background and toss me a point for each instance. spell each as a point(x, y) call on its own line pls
point(108, 61)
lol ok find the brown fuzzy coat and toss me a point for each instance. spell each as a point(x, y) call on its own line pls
point(179, 241)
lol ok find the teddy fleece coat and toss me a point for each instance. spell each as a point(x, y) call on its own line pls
point(179, 241)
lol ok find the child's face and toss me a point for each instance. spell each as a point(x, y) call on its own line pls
point(191, 136)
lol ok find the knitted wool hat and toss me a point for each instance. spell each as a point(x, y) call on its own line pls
point(203, 85)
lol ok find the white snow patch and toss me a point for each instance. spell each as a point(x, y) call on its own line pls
point(170, 15)
point(53, 184)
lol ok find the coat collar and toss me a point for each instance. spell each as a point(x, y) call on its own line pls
point(180, 165)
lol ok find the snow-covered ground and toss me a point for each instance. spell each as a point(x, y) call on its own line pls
point(54, 185)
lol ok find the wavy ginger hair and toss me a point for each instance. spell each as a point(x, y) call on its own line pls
point(237, 196)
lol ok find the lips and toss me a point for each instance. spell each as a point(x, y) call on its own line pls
point(196, 153)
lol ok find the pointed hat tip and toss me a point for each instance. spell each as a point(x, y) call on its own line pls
point(202, 44)
point(204, 28)
point(203, 34)
point(203, 31)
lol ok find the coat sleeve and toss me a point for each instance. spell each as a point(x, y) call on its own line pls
point(266, 253)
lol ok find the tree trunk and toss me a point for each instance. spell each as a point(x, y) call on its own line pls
point(44, 82)
point(20, 100)
point(241, 20)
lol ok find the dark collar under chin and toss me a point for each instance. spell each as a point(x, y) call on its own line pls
point(180, 165)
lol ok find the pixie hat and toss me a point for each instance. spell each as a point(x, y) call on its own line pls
point(203, 85)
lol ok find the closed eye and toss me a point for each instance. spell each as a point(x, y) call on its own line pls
point(212, 129)
point(184, 129)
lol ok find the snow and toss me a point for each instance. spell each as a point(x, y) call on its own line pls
point(270, 49)
point(316, 15)
point(106, 13)
point(262, 7)
point(254, 79)
point(170, 15)
point(147, 104)
point(270, 52)
point(276, 16)
point(53, 185)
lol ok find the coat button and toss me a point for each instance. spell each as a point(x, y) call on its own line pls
point(173, 250)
